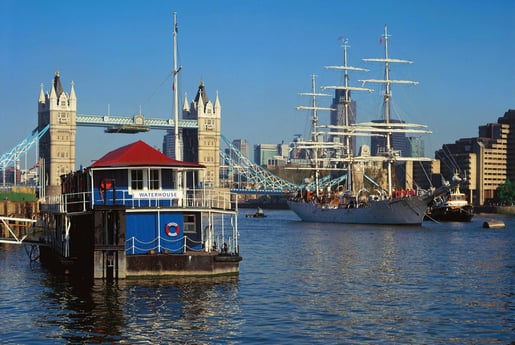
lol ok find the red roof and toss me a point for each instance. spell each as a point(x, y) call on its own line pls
point(139, 154)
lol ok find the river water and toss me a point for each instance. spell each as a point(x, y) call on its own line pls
point(299, 283)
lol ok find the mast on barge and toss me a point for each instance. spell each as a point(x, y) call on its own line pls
point(178, 153)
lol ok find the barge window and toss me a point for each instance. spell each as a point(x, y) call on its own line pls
point(140, 179)
point(153, 179)
point(189, 223)
point(137, 179)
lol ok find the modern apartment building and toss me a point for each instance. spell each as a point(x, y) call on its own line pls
point(486, 160)
point(509, 119)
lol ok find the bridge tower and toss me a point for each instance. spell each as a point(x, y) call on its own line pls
point(202, 145)
point(57, 146)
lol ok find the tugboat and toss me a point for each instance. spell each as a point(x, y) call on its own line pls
point(454, 208)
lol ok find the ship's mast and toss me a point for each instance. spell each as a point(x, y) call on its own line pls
point(314, 108)
point(387, 99)
point(314, 131)
point(347, 102)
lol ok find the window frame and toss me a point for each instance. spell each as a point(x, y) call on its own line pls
point(190, 223)
point(146, 178)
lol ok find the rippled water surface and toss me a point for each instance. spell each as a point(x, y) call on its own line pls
point(299, 283)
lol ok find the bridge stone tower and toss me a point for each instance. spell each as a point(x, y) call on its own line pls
point(202, 145)
point(57, 146)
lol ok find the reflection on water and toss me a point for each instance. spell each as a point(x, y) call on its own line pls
point(380, 284)
point(299, 283)
point(164, 311)
point(45, 308)
point(143, 311)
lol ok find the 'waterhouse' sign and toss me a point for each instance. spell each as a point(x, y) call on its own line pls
point(156, 194)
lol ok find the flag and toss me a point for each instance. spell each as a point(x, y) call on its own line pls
point(381, 40)
point(340, 38)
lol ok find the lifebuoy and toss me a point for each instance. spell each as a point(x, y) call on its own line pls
point(172, 229)
point(106, 184)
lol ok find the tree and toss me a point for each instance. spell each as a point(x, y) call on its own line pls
point(506, 192)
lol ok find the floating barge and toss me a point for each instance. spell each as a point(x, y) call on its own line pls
point(494, 224)
point(137, 213)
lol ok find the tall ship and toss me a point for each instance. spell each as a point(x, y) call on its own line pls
point(352, 203)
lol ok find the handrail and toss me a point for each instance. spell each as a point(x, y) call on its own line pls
point(134, 246)
point(193, 198)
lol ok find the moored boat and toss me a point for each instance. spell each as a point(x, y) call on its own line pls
point(386, 203)
point(259, 214)
point(452, 207)
point(127, 215)
point(494, 224)
point(136, 212)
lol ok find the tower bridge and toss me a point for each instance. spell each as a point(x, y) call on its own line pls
point(199, 132)
point(258, 180)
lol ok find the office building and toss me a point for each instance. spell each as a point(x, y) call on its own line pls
point(338, 117)
point(243, 146)
point(400, 143)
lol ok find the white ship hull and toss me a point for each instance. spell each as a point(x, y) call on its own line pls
point(406, 211)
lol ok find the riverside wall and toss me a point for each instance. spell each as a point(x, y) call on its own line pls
point(495, 209)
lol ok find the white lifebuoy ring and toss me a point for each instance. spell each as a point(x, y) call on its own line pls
point(172, 229)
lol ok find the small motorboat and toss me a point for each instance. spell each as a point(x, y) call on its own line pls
point(259, 214)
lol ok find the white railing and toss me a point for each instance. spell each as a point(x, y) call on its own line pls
point(134, 246)
point(191, 198)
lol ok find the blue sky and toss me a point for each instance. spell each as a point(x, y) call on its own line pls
point(258, 55)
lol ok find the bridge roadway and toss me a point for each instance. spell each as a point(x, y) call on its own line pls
point(136, 123)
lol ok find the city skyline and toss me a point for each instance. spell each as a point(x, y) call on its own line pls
point(258, 56)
